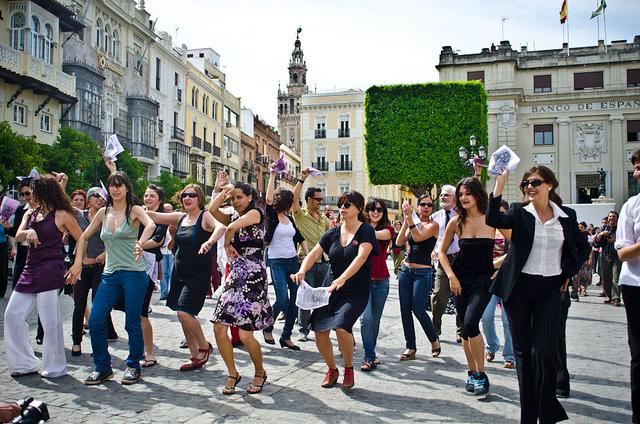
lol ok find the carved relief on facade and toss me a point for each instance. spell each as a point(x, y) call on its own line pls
point(590, 140)
point(507, 116)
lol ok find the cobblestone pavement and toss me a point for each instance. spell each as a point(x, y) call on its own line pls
point(423, 390)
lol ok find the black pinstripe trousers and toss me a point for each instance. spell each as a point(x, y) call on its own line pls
point(533, 310)
point(631, 298)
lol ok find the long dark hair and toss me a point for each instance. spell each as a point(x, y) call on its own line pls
point(549, 177)
point(247, 190)
point(384, 221)
point(477, 191)
point(118, 179)
point(48, 192)
point(357, 200)
point(282, 200)
point(160, 192)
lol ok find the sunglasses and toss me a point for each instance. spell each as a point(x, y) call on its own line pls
point(425, 204)
point(533, 182)
point(25, 193)
point(318, 199)
point(190, 195)
point(345, 205)
point(96, 195)
point(376, 209)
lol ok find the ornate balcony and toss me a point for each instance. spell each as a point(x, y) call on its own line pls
point(344, 166)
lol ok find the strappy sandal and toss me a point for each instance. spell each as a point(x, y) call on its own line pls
point(148, 363)
point(437, 351)
point(230, 390)
point(254, 389)
point(408, 356)
point(368, 366)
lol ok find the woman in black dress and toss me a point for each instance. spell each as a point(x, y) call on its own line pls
point(197, 232)
point(349, 247)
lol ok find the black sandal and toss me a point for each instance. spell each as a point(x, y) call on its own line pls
point(254, 389)
point(230, 390)
point(368, 366)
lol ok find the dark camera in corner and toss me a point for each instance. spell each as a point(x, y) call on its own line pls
point(33, 411)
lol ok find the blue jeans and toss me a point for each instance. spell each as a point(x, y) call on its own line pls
point(167, 269)
point(414, 285)
point(286, 292)
point(370, 319)
point(315, 278)
point(133, 286)
point(489, 329)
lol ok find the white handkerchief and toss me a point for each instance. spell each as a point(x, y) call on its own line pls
point(309, 298)
point(416, 219)
point(113, 147)
point(501, 159)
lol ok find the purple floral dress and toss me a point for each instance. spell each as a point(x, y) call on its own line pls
point(244, 302)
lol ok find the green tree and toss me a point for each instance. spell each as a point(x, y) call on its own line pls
point(18, 155)
point(170, 183)
point(413, 132)
point(79, 156)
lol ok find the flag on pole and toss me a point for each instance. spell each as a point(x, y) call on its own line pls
point(599, 10)
point(564, 12)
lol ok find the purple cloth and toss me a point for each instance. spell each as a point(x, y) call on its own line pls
point(44, 269)
point(279, 165)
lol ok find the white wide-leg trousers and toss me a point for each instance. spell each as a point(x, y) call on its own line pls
point(20, 356)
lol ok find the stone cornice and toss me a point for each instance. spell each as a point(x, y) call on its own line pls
point(330, 106)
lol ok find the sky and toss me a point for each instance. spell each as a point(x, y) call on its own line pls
point(360, 43)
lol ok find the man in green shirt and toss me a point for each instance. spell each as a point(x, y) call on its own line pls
point(312, 224)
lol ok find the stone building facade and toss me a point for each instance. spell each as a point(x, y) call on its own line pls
point(34, 89)
point(575, 110)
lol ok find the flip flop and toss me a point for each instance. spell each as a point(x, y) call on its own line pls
point(148, 363)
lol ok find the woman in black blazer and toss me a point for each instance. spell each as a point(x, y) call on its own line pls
point(546, 251)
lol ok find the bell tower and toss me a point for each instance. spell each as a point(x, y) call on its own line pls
point(289, 101)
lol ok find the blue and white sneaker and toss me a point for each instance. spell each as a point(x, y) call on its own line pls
point(471, 382)
point(481, 384)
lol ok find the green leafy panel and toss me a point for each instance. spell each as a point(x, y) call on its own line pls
point(413, 132)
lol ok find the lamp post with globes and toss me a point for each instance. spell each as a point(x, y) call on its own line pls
point(467, 158)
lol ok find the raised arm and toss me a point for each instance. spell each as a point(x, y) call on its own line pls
point(271, 187)
point(297, 191)
point(401, 238)
point(217, 231)
point(383, 234)
point(165, 218)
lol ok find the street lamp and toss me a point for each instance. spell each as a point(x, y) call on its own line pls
point(464, 154)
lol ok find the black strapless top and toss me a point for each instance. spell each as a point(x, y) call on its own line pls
point(475, 257)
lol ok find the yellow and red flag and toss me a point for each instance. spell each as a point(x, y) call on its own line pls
point(564, 12)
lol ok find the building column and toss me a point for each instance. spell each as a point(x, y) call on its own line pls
point(564, 152)
point(618, 179)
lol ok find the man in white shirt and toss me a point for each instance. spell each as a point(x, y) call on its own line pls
point(441, 288)
point(627, 245)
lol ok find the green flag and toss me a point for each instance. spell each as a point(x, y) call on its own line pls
point(599, 10)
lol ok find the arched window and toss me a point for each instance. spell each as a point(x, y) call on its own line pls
point(115, 49)
point(106, 45)
point(47, 46)
point(204, 103)
point(98, 32)
point(18, 23)
point(193, 97)
point(35, 36)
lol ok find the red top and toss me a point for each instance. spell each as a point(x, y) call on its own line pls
point(379, 268)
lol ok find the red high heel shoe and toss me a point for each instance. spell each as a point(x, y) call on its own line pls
point(349, 379)
point(197, 363)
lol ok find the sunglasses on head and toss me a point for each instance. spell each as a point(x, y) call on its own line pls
point(426, 204)
point(533, 182)
point(345, 205)
point(376, 209)
point(190, 195)
point(25, 193)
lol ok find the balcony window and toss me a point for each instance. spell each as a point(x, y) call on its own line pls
point(115, 45)
point(587, 80)
point(321, 131)
point(17, 31)
point(475, 76)
point(633, 77)
point(542, 84)
point(633, 130)
point(45, 122)
point(47, 44)
point(344, 126)
point(98, 32)
point(19, 114)
point(106, 43)
point(35, 37)
point(543, 135)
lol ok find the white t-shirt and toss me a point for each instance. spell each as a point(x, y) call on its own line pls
point(282, 245)
point(628, 234)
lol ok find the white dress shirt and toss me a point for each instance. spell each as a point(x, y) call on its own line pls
point(546, 251)
point(628, 234)
point(441, 218)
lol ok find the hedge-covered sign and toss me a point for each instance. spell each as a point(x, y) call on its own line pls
point(413, 132)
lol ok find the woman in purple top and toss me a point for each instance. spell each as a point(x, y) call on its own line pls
point(40, 280)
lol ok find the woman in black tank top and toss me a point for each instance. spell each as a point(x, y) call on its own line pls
point(415, 275)
point(470, 274)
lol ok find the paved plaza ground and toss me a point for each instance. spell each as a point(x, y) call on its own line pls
point(423, 390)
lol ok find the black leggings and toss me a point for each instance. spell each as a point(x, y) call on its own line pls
point(471, 303)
